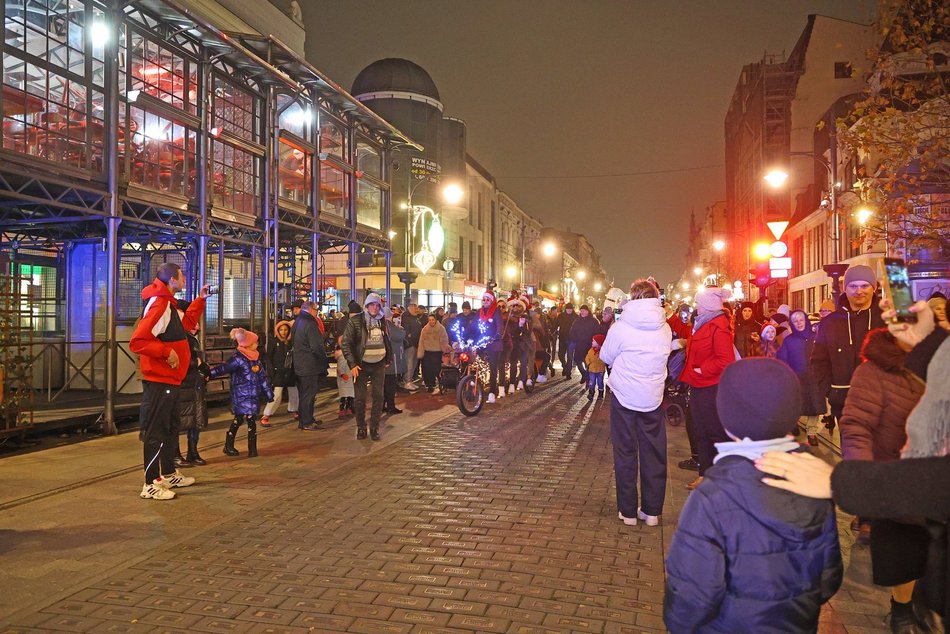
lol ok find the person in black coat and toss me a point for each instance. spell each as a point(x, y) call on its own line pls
point(563, 331)
point(310, 361)
point(840, 337)
point(280, 372)
point(580, 338)
point(746, 557)
point(193, 405)
point(249, 389)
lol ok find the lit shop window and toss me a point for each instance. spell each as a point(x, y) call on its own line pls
point(334, 192)
point(161, 73)
point(235, 111)
point(294, 172)
point(234, 176)
point(161, 153)
point(296, 118)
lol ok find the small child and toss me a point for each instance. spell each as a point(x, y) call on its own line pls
point(747, 557)
point(595, 368)
point(249, 388)
point(768, 343)
point(344, 382)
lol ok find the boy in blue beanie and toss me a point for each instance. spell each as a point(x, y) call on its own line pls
point(747, 557)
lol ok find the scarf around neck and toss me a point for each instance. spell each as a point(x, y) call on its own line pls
point(705, 318)
point(253, 355)
point(753, 449)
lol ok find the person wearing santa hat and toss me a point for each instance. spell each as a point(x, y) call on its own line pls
point(249, 385)
point(487, 330)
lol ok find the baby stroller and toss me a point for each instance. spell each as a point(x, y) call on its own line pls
point(451, 371)
point(677, 392)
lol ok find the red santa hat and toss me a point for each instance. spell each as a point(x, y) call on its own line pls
point(518, 299)
point(599, 340)
point(489, 293)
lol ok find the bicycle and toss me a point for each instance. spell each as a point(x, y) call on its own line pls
point(470, 392)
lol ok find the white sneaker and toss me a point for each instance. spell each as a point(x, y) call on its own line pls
point(529, 383)
point(491, 398)
point(520, 386)
point(511, 388)
point(542, 378)
point(156, 491)
point(177, 479)
point(629, 521)
point(412, 387)
point(501, 392)
point(651, 520)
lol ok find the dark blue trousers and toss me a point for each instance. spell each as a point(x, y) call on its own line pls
point(639, 440)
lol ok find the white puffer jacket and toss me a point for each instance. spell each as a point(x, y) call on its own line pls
point(636, 349)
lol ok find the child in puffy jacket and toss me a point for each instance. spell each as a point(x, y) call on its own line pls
point(747, 557)
point(249, 389)
point(595, 367)
point(344, 382)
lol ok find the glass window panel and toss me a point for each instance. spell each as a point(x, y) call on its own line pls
point(334, 192)
point(234, 177)
point(162, 154)
point(161, 73)
point(332, 139)
point(369, 160)
point(294, 173)
point(296, 118)
point(235, 110)
point(369, 205)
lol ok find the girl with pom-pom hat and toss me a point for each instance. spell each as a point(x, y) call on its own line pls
point(249, 388)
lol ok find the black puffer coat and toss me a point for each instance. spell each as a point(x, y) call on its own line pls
point(277, 353)
point(192, 404)
point(249, 384)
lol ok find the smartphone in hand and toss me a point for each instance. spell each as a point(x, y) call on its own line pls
point(896, 285)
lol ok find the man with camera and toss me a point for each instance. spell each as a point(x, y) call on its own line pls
point(160, 340)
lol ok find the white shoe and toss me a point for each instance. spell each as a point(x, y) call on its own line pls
point(520, 386)
point(629, 521)
point(501, 392)
point(511, 389)
point(529, 383)
point(491, 398)
point(156, 491)
point(542, 378)
point(177, 479)
point(412, 387)
point(651, 520)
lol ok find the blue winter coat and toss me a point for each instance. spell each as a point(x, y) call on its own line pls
point(746, 557)
point(796, 352)
point(249, 384)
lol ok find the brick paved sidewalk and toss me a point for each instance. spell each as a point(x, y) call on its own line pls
point(501, 522)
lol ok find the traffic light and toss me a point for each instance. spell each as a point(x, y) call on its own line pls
point(761, 275)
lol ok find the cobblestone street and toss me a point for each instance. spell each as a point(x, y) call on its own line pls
point(505, 522)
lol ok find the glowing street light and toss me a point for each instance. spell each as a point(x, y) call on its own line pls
point(554, 288)
point(511, 271)
point(864, 215)
point(597, 287)
point(453, 193)
point(698, 270)
point(581, 275)
point(685, 286)
point(776, 178)
point(549, 249)
point(392, 234)
point(719, 245)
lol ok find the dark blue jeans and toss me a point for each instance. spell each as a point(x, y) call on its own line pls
point(639, 440)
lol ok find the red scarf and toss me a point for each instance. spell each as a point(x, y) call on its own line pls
point(486, 316)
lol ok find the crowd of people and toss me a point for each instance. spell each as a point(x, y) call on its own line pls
point(752, 551)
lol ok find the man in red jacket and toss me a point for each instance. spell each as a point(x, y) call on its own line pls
point(160, 341)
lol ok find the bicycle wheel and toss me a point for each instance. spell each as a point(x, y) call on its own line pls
point(469, 395)
point(675, 414)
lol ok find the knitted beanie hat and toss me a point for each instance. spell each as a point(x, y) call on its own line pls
point(758, 399)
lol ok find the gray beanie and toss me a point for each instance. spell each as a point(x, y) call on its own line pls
point(860, 273)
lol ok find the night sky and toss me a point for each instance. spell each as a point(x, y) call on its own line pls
point(583, 89)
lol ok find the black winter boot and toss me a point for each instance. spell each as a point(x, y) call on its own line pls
point(229, 449)
point(902, 620)
point(600, 393)
point(251, 438)
point(193, 456)
point(590, 395)
point(180, 461)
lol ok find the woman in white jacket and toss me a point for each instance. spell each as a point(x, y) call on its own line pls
point(636, 349)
